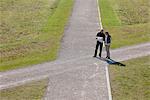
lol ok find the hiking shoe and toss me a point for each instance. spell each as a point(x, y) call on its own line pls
point(100, 55)
point(108, 57)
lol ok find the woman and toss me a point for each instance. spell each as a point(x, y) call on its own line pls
point(107, 44)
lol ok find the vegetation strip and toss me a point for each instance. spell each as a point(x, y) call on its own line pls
point(106, 67)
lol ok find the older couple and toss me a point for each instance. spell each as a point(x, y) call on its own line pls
point(100, 37)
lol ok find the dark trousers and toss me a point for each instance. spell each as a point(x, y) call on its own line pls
point(100, 49)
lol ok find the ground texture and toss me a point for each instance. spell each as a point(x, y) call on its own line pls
point(76, 75)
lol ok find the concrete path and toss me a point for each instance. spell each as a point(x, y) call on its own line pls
point(76, 75)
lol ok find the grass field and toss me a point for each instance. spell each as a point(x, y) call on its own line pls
point(31, 31)
point(127, 21)
point(30, 91)
point(131, 82)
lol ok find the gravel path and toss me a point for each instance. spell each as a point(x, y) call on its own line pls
point(75, 75)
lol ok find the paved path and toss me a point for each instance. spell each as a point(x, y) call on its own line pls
point(75, 75)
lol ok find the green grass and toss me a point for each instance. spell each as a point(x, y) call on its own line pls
point(129, 35)
point(30, 91)
point(31, 31)
point(127, 21)
point(131, 82)
point(109, 17)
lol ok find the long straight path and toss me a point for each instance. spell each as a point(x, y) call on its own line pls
point(79, 36)
point(88, 82)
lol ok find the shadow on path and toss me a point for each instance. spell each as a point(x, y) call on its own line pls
point(111, 61)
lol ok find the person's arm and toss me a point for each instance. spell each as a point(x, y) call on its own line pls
point(103, 37)
point(110, 39)
point(97, 35)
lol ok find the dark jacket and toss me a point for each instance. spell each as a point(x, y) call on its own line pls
point(100, 34)
point(108, 39)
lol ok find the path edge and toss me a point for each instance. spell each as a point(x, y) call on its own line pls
point(106, 67)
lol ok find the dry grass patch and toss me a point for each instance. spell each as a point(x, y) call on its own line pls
point(30, 91)
point(131, 82)
point(31, 31)
point(127, 21)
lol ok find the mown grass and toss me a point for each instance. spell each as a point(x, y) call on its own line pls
point(132, 81)
point(127, 21)
point(109, 18)
point(31, 31)
point(31, 91)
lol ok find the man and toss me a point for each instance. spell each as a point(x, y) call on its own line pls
point(100, 37)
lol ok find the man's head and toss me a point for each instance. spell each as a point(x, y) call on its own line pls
point(102, 30)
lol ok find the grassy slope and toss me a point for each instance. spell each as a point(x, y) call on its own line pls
point(35, 37)
point(131, 82)
point(127, 25)
point(30, 91)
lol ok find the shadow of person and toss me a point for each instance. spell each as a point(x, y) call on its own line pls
point(111, 61)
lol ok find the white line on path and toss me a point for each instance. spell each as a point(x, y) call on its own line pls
point(106, 67)
point(97, 67)
point(108, 83)
point(22, 82)
point(99, 15)
point(95, 74)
